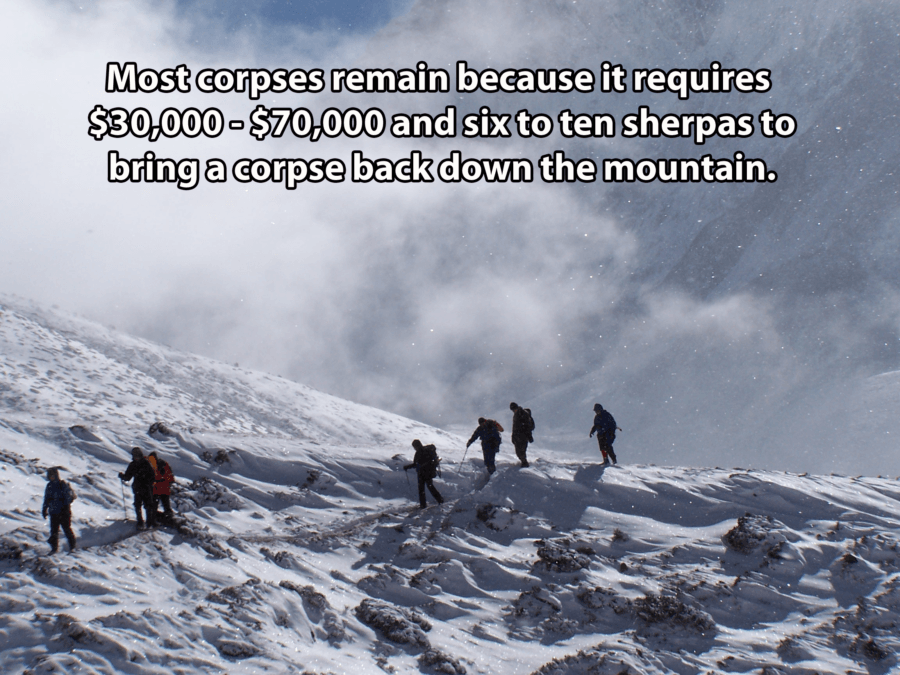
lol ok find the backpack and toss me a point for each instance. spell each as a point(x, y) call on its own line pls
point(606, 425)
point(530, 419)
point(430, 460)
point(165, 472)
point(492, 431)
point(68, 493)
point(144, 473)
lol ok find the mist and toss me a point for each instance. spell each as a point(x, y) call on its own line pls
point(751, 325)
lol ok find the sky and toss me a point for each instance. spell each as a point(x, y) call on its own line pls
point(730, 323)
point(361, 17)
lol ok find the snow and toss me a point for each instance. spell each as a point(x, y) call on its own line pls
point(302, 550)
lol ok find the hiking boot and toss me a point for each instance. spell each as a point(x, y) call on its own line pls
point(525, 464)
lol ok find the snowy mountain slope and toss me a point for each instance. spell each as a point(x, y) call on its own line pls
point(301, 554)
point(119, 378)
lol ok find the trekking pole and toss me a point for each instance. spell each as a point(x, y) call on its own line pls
point(124, 508)
point(462, 461)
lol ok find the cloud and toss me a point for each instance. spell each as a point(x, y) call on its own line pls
point(328, 284)
point(700, 312)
